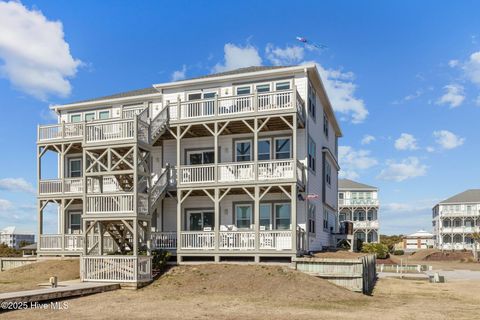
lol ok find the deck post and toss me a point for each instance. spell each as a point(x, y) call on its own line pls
point(215, 152)
point(217, 218)
point(255, 148)
point(293, 214)
point(256, 214)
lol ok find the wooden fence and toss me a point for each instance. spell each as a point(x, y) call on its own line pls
point(14, 262)
point(354, 274)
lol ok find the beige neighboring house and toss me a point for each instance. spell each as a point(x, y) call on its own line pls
point(456, 219)
point(359, 203)
point(13, 238)
point(239, 165)
point(418, 240)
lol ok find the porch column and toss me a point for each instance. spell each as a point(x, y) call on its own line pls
point(215, 153)
point(216, 219)
point(135, 236)
point(101, 232)
point(255, 149)
point(40, 222)
point(62, 222)
point(293, 214)
point(256, 217)
point(179, 220)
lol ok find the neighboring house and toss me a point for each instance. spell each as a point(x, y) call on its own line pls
point(455, 219)
point(418, 240)
point(236, 165)
point(13, 238)
point(358, 202)
point(30, 250)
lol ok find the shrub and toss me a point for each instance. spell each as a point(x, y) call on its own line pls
point(398, 252)
point(160, 259)
point(380, 250)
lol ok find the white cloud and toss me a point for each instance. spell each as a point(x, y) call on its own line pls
point(36, 58)
point(472, 67)
point(5, 205)
point(453, 96)
point(430, 149)
point(288, 56)
point(406, 169)
point(477, 101)
point(447, 139)
point(453, 63)
point(16, 184)
point(352, 161)
point(341, 92)
point(238, 57)
point(367, 139)
point(179, 74)
point(406, 142)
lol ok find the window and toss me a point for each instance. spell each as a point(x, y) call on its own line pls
point(194, 96)
point(75, 118)
point(265, 216)
point(311, 218)
point(243, 90)
point(282, 216)
point(341, 195)
point(102, 115)
point(264, 149)
point(199, 220)
point(282, 85)
point(325, 219)
point(282, 148)
point(263, 88)
point(325, 124)
point(200, 157)
point(311, 154)
point(75, 225)
point(328, 173)
point(90, 116)
point(312, 100)
point(243, 215)
point(74, 168)
point(243, 150)
point(209, 95)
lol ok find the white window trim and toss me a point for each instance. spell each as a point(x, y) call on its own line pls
point(275, 145)
point(235, 88)
point(69, 168)
point(101, 111)
point(279, 203)
point(251, 149)
point(87, 113)
point(75, 114)
point(263, 84)
point(270, 214)
point(251, 215)
point(70, 213)
point(202, 214)
point(270, 147)
point(282, 81)
point(202, 151)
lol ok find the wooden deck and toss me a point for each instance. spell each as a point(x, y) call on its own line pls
point(64, 290)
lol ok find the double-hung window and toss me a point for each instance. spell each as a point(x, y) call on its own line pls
point(264, 149)
point(243, 90)
point(325, 124)
point(75, 168)
point(243, 150)
point(265, 216)
point(75, 224)
point(263, 88)
point(90, 116)
point(325, 219)
point(312, 149)
point(243, 215)
point(75, 118)
point(200, 157)
point(312, 100)
point(282, 216)
point(311, 218)
point(328, 173)
point(283, 148)
point(103, 115)
point(285, 85)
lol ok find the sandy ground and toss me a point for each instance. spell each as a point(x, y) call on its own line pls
point(268, 292)
point(422, 257)
point(29, 276)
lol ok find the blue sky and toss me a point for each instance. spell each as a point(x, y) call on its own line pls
point(404, 78)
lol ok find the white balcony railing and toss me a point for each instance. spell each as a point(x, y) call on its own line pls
point(50, 242)
point(59, 186)
point(460, 229)
point(116, 268)
point(110, 203)
point(103, 184)
point(73, 242)
point(110, 130)
point(276, 240)
point(237, 240)
point(203, 240)
point(373, 224)
point(233, 105)
point(164, 240)
point(356, 202)
point(60, 131)
point(460, 213)
point(197, 174)
point(241, 171)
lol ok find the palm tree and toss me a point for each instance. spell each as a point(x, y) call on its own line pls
point(476, 242)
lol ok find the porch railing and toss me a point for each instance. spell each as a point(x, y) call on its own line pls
point(276, 240)
point(116, 268)
point(50, 242)
point(238, 104)
point(197, 174)
point(276, 170)
point(237, 240)
point(110, 203)
point(59, 186)
point(366, 224)
point(197, 240)
point(164, 240)
point(352, 202)
point(110, 130)
point(60, 131)
point(73, 242)
point(238, 171)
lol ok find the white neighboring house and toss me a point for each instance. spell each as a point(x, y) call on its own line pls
point(12, 238)
point(236, 165)
point(358, 202)
point(456, 219)
point(418, 240)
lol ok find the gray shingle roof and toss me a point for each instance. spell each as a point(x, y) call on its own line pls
point(350, 184)
point(132, 93)
point(471, 195)
point(239, 71)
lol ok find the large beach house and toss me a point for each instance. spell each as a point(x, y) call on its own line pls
point(240, 165)
point(359, 203)
point(456, 219)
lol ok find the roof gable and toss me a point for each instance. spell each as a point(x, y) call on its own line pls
point(350, 184)
point(471, 195)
